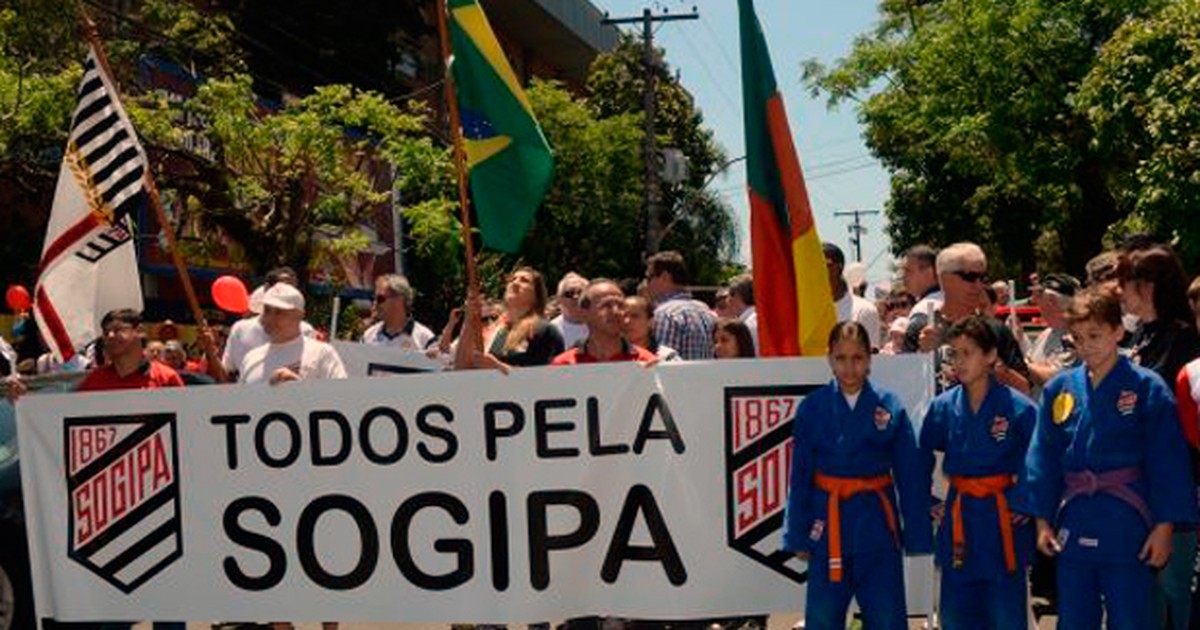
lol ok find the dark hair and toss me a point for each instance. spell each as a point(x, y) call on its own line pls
point(743, 287)
point(1100, 303)
point(1137, 241)
point(740, 333)
point(123, 316)
point(834, 252)
point(850, 331)
point(923, 254)
point(978, 329)
point(1160, 266)
point(670, 262)
point(280, 274)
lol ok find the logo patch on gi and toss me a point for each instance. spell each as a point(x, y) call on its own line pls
point(758, 465)
point(1127, 402)
point(999, 428)
point(1064, 404)
point(123, 486)
point(818, 528)
point(883, 417)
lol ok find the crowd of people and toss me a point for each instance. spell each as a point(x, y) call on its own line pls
point(1070, 456)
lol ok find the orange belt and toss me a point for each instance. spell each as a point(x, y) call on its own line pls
point(840, 488)
point(982, 488)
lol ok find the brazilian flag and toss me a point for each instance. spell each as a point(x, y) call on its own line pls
point(508, 159)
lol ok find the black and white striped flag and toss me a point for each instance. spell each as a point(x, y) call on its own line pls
point(89, 260)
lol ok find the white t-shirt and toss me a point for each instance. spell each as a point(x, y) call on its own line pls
point(855, 309)
point(246, 335)
point(309, 358)
point(928, 305)
point(572, 332)
point(414, 338)
point(749, 317)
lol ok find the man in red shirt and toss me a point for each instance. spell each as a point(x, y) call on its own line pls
point(125, 367)
point(603, 305)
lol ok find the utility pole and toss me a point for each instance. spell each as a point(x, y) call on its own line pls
point(654, 227)
point(856, 229)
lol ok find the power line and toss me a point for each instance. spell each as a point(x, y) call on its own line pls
point(720, 46)
point(841, 172)
point(711, 76)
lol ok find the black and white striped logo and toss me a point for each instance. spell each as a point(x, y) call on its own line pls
point(123, 487)
point(103, 147)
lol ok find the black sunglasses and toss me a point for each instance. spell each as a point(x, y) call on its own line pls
point(380, 299)
point(971, 276)
point(572, 294)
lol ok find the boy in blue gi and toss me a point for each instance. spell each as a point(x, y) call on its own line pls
point(984, 429)
point(854, 447)
point(1108, 475)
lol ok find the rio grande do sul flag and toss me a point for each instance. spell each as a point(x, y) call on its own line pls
point(89, 263)
point(791, 284)
point(508, 159)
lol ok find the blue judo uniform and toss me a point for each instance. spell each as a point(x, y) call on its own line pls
point(863, 456)
point(982, 585)
point(1107, 463)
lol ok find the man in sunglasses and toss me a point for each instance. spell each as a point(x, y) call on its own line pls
point(962, 272)
point(571, 322)
point(396, 327)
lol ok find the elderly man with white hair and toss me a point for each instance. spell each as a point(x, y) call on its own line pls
point(571, 322)
point(962, 273)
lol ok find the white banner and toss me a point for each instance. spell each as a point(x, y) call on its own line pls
point(361, 359)
point(463, 496)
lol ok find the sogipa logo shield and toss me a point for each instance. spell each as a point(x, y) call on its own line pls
point(758, 465)
point(123, 484)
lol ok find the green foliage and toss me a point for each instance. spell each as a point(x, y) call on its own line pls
point(293, 185)
point(972, 106)
point(697, 222)
point(1142, 98)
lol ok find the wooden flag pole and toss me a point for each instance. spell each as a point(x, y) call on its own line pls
point(460, 165)
point(215, 367)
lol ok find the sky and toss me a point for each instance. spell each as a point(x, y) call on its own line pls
point(841, 174)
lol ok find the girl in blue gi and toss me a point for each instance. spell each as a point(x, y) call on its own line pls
point(984, 429)
point(1108, 475)
point(854, 448)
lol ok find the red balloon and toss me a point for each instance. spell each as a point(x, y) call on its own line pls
point(230, 294)
point(17, 298)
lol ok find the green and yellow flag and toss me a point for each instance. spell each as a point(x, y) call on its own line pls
point(508, 159)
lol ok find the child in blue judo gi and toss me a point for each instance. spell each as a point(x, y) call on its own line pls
point(1107, 474)
point(854, 449)
point(983, 427)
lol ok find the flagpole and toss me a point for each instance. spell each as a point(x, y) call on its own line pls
point(215, 367)
point(460, 166)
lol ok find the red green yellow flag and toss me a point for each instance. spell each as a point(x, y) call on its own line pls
point(791, 285)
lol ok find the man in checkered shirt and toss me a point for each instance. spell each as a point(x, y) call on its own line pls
point(680, 322)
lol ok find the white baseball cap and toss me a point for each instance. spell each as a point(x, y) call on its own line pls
point(256, 299)
point(284, 296)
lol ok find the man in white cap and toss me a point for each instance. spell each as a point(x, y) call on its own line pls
point(288, 355)
point(247, 334)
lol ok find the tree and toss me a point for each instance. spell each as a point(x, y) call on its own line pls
point(697, 222)
point(1141, 97)
point(975, 116)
